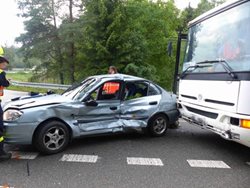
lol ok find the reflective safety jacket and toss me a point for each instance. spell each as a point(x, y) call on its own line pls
point(111, 87)
point(3, 82)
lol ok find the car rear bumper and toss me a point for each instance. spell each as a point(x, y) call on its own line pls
point(173, 116)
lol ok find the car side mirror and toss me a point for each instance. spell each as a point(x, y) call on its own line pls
point(91, 103)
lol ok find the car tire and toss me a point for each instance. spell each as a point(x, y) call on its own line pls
point(157, 126)
point(52, 137)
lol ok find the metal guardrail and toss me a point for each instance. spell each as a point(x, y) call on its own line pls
point(40, 85)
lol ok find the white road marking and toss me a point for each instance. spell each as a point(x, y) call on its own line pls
point(24, 155)
point(207, 164)
point(144, 161)
point(79, 158)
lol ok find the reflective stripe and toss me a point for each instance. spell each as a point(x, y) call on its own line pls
point(111, 87)
point(1, 138)
point(1, 90)
point(1, 87)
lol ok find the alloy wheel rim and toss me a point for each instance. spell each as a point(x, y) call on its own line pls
point(159, 125)
point(54, 138)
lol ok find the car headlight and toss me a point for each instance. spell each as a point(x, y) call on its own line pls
point(11, 115)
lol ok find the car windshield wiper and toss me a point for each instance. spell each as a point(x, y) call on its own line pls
point(223, 63)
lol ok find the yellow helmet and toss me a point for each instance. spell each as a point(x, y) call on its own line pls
point(2, 58)
point(1, 51)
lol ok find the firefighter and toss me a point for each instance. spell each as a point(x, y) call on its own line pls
point(3, 83)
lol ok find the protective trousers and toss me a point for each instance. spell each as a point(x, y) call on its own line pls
point(1, 130)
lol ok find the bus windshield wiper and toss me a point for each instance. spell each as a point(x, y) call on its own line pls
point(191, 68)
point(223, 63)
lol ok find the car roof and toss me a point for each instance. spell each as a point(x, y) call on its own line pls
point(124, 77)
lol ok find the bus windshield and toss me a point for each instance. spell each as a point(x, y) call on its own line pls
point(221, 37)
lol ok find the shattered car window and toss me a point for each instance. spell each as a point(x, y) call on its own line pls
point(78, 92)
point(153, 90)
point(135, 90)
point(109, 91)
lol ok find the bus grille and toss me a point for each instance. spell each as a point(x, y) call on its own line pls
point(203, 113)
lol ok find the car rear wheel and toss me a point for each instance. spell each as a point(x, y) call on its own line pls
point(158, 125)
point(52, 137)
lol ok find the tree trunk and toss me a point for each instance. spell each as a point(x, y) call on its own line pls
point(58, 47)
point(72, 45)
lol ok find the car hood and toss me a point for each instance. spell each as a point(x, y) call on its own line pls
point(40, 100)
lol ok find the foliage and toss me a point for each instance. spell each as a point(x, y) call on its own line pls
point(190, 13)
point(69, 40)
point(131, 35)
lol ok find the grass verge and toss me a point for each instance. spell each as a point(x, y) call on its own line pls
point(32, 89)
point(20, 76)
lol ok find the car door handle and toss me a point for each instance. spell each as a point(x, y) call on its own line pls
point(113, 108)
point(153, 103)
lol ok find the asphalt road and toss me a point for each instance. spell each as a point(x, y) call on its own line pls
point(133, 161)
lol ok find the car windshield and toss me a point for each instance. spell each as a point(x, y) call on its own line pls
point(78, 91)
point(222, 37)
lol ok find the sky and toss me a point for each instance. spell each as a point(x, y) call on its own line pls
point(11, 26)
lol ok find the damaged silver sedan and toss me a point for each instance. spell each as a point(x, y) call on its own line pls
point(99, 105)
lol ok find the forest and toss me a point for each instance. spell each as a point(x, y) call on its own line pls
point(66, 41)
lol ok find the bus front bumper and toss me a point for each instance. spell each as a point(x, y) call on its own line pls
point(220, 125)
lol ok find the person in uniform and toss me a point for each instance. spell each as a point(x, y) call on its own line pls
point(3, 83)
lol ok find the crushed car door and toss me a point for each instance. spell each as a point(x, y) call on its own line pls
point(140, 100)
point(100, 113)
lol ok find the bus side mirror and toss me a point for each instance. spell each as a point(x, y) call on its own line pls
point(170, 48)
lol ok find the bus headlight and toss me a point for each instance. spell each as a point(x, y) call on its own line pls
point(11, 115)
point(245, 123)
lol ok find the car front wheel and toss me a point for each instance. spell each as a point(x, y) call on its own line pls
point(158, 125)
point(52, 137)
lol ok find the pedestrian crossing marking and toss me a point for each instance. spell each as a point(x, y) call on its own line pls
point(144, 161)
point(79, 158)
point(207, 164)
point(5, 186)
point(130, 160)
point(24, 155)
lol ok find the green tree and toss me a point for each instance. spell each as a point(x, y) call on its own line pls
point(190, 13)
point(43, 38)
point(131, 35)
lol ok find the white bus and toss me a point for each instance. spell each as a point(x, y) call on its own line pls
point(214, 86)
